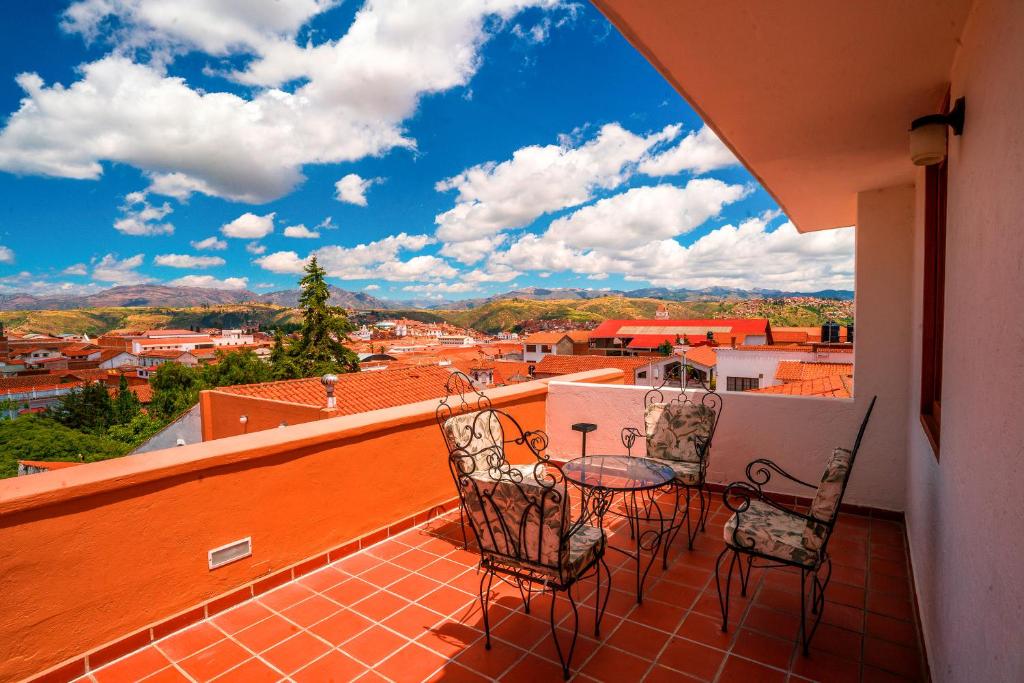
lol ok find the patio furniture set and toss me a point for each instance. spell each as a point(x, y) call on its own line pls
point(541, 526)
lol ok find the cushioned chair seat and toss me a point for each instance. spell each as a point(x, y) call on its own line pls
point(770, 531)
point(585, 544)
point(686, 472)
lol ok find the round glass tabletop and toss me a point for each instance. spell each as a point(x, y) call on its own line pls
point(617, 472)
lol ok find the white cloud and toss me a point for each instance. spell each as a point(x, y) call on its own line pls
point(352, 189)
point(142, 218)
point(748, 256)
point(300, 231)
point(352, 99)
point(210, 282)
point(441, 287)
point(699, 152)
point(371, 287)
point(493, 273)
point(493, 197)
point(643, 214)
point(212, 242)
point(281, 262)
point(6, 255)
point(76, 269)
point(187, 261)
point(471, 251)
point(371, 261)
point(119, 271)
point(249, 226)
point(255, 248)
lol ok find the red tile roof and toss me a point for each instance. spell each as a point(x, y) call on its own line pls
point(28, 381)
point(175, 340)
point(544, 338)
point(702, 355)
point(356, 392)
point(53, 384)
point(835, 386)
point(164, 353)
point(633, 328)
point(799, 371)
point(804, 348)
point(564, 365)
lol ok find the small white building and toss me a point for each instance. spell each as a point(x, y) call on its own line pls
point(745, 368)
point(456, 340)
point(231, 338)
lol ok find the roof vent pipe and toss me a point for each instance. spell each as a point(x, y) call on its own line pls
point(329, 381)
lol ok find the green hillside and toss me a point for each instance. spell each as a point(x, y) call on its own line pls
point(96, 321)
point(505, 314)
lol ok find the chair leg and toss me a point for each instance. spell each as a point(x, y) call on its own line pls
point(601, 605)
point(673, 530)
point(723, 598)
point(566, 660)
point(462, 525)
point(525, 594)
point(485, 597)
point(702, 517)
point(689, 532)
point(745, 576)
point(705, 508)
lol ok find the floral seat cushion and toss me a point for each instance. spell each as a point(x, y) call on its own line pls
point(677, 430)
point(770, 531)
point(827, 498)
point(688, 473)
point(476, 439)
point(508, 507)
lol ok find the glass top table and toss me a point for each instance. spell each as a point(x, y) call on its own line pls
point(617, 472)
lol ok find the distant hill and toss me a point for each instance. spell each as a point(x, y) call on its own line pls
point(96, 321)
point(662, 293)
point(507, 314)
point(339, 297)
point(128, 295)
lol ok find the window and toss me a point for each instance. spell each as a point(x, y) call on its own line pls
point(741, 383)
point(934, 286)
point(530, 348)
point(545, 348)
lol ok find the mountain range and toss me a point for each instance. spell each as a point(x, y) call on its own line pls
point(177, 297)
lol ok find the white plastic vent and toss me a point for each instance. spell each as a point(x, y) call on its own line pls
point(227, 554)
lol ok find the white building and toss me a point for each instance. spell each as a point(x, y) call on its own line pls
point(231, 338)
point(455, 340)
point(744, 368)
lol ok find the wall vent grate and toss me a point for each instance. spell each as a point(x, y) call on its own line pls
point(226, 554)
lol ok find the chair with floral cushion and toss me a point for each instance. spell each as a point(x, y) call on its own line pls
point(762, 529)
point(518, 515)
point(678, 432)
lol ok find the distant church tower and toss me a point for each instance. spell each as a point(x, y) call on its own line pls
point(661, 313)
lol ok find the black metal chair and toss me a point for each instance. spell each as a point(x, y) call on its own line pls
point(519, 515)
point(679, 433)
point(762, 529)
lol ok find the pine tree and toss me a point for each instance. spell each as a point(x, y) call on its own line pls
point(319, 349)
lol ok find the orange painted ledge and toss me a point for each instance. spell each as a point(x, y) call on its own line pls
point(41, 490)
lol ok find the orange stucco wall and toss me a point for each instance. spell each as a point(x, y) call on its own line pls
point(220, 412)
point(93, 553)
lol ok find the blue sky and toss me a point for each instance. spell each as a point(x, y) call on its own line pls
point(420, 149)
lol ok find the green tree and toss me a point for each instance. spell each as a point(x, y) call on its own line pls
point(126, 404)
point(33, 437)
point(175, 389)
point(236, 367)
point(319, 349)
point(136, 430)
point(665, 348)
point(282, 365)
point(87, 408)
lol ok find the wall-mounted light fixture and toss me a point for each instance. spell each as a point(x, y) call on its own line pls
point(244, 421)
point(928, 134)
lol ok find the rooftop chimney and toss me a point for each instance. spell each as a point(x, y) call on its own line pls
point(329, 381)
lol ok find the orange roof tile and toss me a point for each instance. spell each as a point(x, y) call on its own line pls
point(175, 340)
point(798, 371)
point(804, 348)
point(835, 386)
point(357, 392)
point(702, 355)
point(564, 365)
point(164, 353)
point(544, 338)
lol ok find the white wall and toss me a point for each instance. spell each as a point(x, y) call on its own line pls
point(964, 516)
point(797, 432)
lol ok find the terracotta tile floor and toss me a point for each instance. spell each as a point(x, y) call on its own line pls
point(406, 610)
